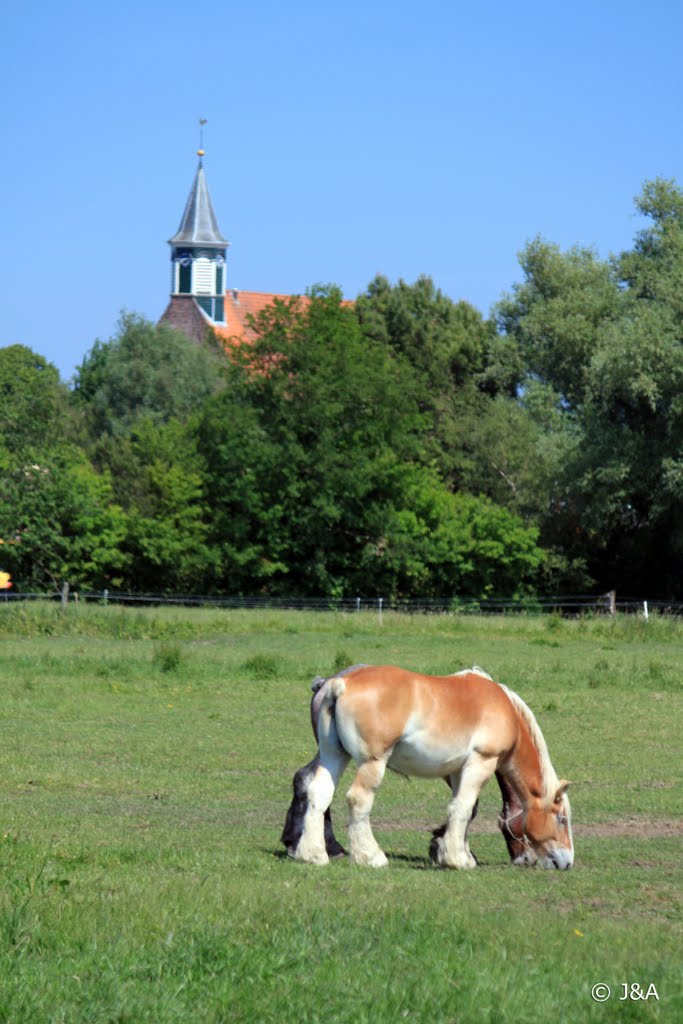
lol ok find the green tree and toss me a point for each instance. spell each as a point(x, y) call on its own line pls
point(161, 487)
point(446, 341)
point(432, 543)
point(291, 444)
point(313, 456)
point(144, 371)
point(652, 269)
point(59, 524)
point(607, 339)
point(557, 313)
point(34, 400)
point(455, 356)
point(482, 436)
point(626, 476)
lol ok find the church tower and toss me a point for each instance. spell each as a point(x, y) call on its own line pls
point(201, 306)
point(198, 252)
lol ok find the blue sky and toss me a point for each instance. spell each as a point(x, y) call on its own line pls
point(343, 140)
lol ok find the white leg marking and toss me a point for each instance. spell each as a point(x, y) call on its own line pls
point(363, 846)
point(311, 846)
point(452, 848)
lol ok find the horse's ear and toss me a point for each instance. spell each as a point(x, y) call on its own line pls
point(562, 788)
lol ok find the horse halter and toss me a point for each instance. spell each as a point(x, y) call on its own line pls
point(504, 824)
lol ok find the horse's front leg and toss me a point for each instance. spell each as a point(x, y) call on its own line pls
point(452, 849)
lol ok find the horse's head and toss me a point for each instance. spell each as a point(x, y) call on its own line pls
point(549, 829)
point(511, 824)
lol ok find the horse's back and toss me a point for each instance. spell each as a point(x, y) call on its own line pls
point(429, 722)
point(388, 689)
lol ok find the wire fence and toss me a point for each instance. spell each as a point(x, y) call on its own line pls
point(565, 605)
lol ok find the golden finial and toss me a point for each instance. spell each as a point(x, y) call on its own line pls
point(202, 122)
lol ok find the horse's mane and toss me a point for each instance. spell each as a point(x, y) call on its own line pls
point(475, 670)
point(548, 774)
point(550, 780)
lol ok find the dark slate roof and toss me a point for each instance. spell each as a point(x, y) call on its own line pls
point(199, 225)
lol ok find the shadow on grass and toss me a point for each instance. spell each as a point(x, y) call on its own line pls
point(413, 860)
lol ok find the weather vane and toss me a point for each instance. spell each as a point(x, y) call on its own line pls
point(202, 122)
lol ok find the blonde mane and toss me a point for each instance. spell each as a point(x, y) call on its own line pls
point(548, 774)
point(475, 670)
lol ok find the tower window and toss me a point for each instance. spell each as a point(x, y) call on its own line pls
point(184, 279)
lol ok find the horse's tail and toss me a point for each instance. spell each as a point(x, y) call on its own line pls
point(317, 686)
point(328, 735)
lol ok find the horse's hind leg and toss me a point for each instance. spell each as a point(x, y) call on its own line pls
point(319, 792)
point(452, 849)
point(363, 846)
point(294, 822)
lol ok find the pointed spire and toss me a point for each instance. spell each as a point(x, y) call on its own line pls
point(199, 225)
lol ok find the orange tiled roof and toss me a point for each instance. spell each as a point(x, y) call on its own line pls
point(240, 305)
point(184, 313)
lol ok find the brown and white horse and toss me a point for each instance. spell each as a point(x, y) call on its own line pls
point(509, 820)
point(463, 728)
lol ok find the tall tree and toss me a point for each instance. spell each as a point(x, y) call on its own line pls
point(607, 338)
point(59, 523)
point(292, 442)
point(144, 371)
point(628, 475)
point(456, 357)
point(314, 457)
point(160, 484)
point(34, 400)
point(446, 341)
point(556, 314)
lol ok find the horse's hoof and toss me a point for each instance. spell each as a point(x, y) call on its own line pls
point(377, 859)
point(311, 856)
point(463, 861)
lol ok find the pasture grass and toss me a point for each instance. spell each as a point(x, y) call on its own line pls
point(147, 759)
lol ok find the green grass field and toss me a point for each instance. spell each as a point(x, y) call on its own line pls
point(147, 759)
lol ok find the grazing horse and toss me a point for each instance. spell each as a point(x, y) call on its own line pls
point(509, 820)
point(464, 728)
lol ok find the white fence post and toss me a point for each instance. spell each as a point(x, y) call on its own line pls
point(380, 600)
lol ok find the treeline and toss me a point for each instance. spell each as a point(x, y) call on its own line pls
point(401, 446)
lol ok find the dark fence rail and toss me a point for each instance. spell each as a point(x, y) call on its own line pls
point(566, 605)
